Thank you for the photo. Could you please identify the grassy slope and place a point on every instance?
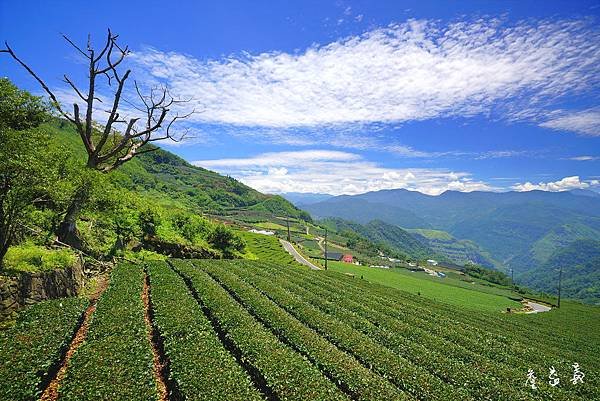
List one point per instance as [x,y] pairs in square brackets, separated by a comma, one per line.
[453,290]
[448,290]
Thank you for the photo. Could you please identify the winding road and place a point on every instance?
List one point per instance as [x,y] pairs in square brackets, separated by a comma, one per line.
[299,258]
[537,308]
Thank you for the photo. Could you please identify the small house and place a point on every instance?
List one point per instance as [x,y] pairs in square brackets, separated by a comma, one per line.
[347,258]
[334,256]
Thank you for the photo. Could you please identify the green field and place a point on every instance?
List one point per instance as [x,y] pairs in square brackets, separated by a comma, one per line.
[250,330]
[432,234]
[449,290]
[472,294]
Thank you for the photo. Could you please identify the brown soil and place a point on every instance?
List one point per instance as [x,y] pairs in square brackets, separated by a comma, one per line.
[51,392]
[159,367]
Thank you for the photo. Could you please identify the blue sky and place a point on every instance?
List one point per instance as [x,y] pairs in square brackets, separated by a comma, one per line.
[351,96]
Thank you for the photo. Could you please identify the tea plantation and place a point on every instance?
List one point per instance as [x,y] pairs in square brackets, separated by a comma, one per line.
[255,330]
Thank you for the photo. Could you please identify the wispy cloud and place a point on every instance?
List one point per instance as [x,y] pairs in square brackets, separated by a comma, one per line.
[586,122]
[565,184]
[583,158]
[336,173]
[411,71]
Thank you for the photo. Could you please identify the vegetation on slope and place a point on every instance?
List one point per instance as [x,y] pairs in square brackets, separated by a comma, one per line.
[581,276]
[32,348]
[454,250]
[265,330]
[474,298]
[390,239]
[155,202]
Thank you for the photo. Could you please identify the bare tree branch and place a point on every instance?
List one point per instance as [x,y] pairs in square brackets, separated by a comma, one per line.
[67,80]
[114,148]
[75,46]
[55,101]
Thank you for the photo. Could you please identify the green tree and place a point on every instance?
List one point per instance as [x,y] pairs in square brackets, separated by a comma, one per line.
[149,220]
[190,226]
[24,169]
[226,241]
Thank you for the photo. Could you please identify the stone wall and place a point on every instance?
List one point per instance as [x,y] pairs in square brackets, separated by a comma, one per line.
[29,288]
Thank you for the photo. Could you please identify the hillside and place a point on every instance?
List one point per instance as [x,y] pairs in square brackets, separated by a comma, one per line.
[519,230]
[454,250]
[378,231]
[167,178]
[580,261]
[156,203]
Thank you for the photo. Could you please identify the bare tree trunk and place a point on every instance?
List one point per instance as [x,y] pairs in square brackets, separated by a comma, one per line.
[4,244]
[5,226]
[67,230]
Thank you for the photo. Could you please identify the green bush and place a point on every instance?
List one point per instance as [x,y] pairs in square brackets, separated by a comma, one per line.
[225,240]
[33,258]
[149,221]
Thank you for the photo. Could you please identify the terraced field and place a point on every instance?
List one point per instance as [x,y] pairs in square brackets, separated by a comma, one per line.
[239,330]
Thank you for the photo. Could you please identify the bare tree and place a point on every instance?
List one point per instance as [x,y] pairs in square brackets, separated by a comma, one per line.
[119,139]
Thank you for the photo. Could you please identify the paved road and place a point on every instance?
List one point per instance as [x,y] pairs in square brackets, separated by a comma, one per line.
[299,258]
[537,308]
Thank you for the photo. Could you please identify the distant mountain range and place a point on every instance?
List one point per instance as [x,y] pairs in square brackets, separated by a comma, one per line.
[524,231]
[300,199]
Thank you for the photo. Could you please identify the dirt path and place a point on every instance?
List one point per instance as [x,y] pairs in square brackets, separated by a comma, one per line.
[299,258]
[159,366]
[320,243]
[51,392]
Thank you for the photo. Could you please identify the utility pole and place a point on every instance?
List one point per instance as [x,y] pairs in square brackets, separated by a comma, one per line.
[559,283]
[325,249]
[288,228]
[512,277]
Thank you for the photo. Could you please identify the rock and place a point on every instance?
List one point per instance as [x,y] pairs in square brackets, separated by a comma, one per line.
[30,288]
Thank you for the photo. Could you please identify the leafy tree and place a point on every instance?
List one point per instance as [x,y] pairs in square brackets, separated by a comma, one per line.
[190,226]
[226,241]
[149,220]
[493,276]
[23,159]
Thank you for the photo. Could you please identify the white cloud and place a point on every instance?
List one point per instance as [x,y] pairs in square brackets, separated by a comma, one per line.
[274,159]
[501,154]
[583,158]
[336,173]
[411,71]
[566,184]
[586,122]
